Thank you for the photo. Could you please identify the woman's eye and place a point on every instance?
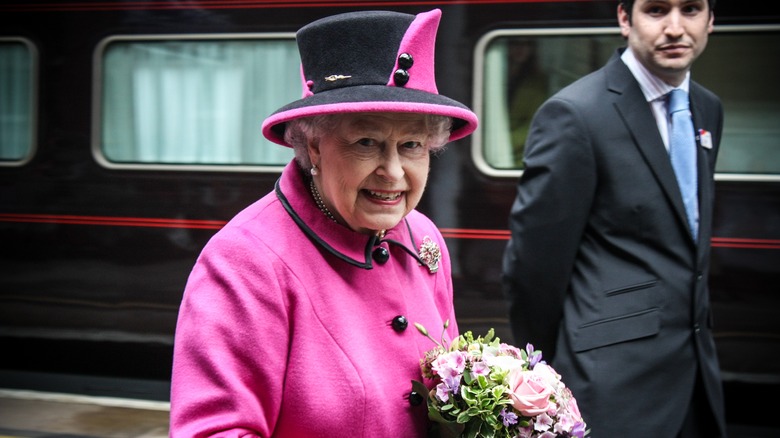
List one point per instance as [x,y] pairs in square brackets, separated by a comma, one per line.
[412,145]
[366,142]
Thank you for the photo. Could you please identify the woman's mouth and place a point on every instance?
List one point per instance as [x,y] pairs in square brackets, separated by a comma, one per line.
[383,196]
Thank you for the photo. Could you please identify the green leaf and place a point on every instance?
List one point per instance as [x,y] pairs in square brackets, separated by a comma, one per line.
[473,430]
[467,394]
[489,335]
[463,418]
[436,416]
[420,388]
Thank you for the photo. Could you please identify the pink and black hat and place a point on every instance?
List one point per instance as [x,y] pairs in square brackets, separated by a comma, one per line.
[374,61]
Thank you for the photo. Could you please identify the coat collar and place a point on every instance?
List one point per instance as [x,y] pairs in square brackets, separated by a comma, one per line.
[349,246]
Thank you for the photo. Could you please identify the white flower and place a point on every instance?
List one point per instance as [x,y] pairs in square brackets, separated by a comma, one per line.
[505,363]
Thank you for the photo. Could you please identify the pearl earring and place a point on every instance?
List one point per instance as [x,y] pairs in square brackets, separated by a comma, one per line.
[314,171]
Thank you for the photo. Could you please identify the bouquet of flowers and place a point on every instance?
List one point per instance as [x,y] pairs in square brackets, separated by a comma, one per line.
[485,388]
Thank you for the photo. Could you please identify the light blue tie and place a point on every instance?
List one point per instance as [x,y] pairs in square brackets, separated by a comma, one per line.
[682,148]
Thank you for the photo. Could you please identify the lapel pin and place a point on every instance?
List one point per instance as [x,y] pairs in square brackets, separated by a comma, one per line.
[705,138]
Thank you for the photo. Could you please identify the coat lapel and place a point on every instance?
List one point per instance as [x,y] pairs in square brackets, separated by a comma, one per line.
[705,163]
[638,118]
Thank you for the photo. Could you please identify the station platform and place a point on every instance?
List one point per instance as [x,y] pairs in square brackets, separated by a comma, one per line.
[34,414]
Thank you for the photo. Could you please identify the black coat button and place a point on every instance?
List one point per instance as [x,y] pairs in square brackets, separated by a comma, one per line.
[405,61]
[415,399]
[400,323]
[401,77]
[381,255]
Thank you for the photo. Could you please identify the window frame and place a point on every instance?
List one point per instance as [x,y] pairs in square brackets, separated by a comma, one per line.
[477,144]
[34,93]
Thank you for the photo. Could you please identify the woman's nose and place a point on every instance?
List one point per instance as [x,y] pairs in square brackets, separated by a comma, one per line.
[391,166]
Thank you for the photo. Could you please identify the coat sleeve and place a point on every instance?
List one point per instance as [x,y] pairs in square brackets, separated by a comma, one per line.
[231,340]
[547,219]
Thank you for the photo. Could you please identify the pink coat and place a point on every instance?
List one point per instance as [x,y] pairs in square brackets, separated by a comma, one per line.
[285,328]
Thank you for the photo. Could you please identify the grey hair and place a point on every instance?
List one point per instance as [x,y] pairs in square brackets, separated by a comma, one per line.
[299,132]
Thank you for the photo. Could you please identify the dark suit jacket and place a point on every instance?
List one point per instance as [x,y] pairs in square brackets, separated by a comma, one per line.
[601,270]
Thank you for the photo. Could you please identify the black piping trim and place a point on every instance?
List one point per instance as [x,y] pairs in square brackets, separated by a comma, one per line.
[316,239]
[404,247]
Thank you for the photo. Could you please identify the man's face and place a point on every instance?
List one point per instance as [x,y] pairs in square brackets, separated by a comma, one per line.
[667,36]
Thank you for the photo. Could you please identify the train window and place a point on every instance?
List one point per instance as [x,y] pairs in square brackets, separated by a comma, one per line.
[16,101]
[741,67]
[185,101]
[517,70]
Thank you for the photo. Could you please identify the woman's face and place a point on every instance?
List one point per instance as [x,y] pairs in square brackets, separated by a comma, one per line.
[372,168]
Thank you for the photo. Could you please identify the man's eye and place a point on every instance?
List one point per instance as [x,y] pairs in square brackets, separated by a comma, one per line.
[655,11]
[692,9]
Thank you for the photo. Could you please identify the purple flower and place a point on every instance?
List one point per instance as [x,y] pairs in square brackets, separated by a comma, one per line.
[449,385]
[543,422]
[450,364]
[442,392]
[578,430]
[534,357]
[508,417]
[525,432]
[479,368]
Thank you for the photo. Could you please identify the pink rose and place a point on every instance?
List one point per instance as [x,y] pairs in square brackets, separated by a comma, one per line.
[530,392]
[547,373]
[574,409]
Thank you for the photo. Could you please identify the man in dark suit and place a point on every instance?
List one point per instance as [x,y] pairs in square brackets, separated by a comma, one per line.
[605,271]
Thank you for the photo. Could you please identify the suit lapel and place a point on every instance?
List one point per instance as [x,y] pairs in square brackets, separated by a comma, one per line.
[705,163]
[640,122]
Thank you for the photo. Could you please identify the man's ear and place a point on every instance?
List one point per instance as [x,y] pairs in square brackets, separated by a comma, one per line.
[624,20]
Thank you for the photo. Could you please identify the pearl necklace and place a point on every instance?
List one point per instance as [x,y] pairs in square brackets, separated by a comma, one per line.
[321,205]
[318,199]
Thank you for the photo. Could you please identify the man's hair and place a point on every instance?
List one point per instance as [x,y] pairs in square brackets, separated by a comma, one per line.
[628,5]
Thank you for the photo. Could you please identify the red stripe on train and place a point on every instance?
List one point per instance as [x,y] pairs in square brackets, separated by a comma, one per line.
[111,221]
[452,233]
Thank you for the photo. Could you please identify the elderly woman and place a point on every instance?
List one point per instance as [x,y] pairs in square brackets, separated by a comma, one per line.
[297,318]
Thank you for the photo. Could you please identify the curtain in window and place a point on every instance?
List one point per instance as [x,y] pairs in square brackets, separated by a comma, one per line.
[196,102]
[15,101]
[497,136]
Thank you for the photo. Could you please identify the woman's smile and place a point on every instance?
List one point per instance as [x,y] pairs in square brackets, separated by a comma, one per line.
[383,195]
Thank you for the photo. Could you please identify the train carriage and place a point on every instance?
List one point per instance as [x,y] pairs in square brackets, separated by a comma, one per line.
[130,133]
